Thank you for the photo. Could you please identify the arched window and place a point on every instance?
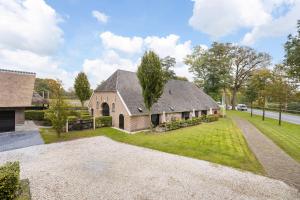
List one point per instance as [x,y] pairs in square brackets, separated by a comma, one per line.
[97,105]
[113,107]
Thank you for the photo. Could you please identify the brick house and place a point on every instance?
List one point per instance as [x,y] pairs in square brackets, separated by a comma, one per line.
[120,96]
[16,91]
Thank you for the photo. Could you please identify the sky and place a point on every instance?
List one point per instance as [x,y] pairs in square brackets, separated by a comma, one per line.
[59,38]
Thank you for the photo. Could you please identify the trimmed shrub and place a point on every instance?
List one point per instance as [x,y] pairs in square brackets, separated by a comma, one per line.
[35,115]
[9,180]
[104,121]
[212,118]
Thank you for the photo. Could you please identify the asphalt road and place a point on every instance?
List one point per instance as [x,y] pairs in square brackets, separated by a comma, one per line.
[284,117]
[19,139]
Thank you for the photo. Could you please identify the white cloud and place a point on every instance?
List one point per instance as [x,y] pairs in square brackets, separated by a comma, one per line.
[264,18]
[100,16]
[282,25]
[121,43]
[218,18]
[44,66]
[29,25]
[29,36]
[113,58]
[100,69]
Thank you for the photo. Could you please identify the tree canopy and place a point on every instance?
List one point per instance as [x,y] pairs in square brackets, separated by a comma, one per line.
[150,75]
[82,87]
[292,55]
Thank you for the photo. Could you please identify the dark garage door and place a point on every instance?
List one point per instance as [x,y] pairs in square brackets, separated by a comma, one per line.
[7,121]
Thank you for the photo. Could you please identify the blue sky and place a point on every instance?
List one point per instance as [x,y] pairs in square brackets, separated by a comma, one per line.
[57,39]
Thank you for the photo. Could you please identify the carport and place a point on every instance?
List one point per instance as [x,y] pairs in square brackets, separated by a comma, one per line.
[16,89]
[7,120]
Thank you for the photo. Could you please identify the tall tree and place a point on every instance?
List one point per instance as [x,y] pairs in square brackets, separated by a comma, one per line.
[292,55]
[211,67]
[57,112]
[251,93]
[82,87]
[279,88]
[167,64]
[151,78]
[245,61]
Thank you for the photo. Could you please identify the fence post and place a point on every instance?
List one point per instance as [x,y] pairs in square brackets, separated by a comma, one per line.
[67,126]
[94,122]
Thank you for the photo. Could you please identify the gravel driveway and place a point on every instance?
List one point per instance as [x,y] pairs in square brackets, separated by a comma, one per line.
[99,168]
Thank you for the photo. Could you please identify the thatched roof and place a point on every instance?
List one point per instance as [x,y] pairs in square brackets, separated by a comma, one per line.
[178,96]
[16,88]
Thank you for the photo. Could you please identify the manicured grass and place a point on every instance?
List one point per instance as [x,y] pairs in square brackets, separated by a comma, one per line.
[286,136]
[219,142]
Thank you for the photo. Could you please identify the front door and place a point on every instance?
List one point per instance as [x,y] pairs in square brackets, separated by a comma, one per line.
[121,121]
[155,119]
[7,121]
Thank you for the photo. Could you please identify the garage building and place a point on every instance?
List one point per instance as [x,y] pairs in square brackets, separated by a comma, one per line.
[16,90]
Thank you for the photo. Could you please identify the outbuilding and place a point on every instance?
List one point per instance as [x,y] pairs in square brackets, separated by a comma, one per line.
[16,91]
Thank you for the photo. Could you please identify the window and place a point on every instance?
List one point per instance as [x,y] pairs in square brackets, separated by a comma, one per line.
[97,105]
[113,107]
[185,115]
[196,113]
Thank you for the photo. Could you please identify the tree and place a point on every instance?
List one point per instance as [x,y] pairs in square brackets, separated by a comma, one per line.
[245,61]
[292,55]
[167,63]
[57,112]
[251,93]
[151,78]
[211,67]
[279,88]
[82,87]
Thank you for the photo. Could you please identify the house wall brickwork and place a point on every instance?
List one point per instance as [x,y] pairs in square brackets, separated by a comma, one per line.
[131,123]
[110,98]
[19,116]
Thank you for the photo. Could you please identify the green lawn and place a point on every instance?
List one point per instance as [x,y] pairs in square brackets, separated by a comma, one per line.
[219,142]
[286,136]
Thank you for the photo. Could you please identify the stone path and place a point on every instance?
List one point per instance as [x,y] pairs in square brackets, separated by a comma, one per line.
[275,161]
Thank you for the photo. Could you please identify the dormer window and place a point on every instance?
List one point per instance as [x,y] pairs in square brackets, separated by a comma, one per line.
[140,109]
[170,92]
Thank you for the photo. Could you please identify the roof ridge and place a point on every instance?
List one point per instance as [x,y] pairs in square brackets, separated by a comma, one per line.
[17,72]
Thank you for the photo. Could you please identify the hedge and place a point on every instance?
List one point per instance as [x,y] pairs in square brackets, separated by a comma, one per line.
[104,121]
[182,123]
[9,180]
[212,118]
[38,115]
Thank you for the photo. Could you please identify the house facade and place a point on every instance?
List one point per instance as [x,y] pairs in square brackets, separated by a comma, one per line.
[120,96]
[16,90]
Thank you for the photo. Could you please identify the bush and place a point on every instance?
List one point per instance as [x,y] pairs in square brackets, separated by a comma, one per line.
[38,115]
[212,118]
[9,180]
[182,123]
[104,121]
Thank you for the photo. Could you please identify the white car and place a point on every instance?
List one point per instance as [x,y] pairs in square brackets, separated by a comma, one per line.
[241,107]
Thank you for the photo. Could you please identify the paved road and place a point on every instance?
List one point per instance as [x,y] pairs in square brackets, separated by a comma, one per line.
[271,114]
[19,139]
[100,168]
[275,161]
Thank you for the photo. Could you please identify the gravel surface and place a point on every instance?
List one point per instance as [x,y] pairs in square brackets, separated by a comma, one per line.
[99,168]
